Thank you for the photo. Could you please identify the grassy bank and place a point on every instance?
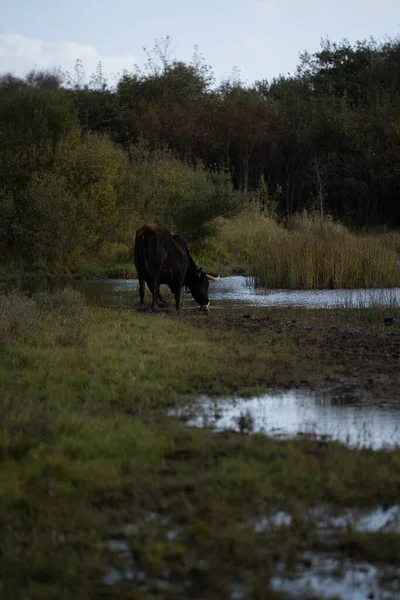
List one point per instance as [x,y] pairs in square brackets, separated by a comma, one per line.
[309,252]
[88,453]
[306,253]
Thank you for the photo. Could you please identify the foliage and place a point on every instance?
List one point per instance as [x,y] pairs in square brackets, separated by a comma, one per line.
[309,252]
[59,190]
[19,316]
[84,164]
[171,193]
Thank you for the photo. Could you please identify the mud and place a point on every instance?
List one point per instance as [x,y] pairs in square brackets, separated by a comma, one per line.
[353,361]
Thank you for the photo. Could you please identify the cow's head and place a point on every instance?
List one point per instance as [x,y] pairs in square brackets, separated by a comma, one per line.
[200,289]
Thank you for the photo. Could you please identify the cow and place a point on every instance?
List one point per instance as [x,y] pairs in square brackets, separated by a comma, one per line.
[163,257]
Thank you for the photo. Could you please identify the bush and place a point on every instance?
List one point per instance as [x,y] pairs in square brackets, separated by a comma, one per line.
[50,231]
[19,316]
[240,237]
[64,302]
[177,196]
[68,210]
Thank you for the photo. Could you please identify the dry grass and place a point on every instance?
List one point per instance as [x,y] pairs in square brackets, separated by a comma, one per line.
[22,316]
[309,253]
[389,240]
[240,237]
[18,315]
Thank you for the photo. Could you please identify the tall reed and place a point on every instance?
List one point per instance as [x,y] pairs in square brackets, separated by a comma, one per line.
[309,253]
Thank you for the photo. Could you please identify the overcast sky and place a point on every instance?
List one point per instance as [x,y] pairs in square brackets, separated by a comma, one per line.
[261,38]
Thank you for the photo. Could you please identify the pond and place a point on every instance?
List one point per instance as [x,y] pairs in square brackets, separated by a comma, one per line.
[294,413]
[230,292]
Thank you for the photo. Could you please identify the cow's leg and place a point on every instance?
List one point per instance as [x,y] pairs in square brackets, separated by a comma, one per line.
[141,290]
[159,298]
[178,293]
[178,299]
[156,293]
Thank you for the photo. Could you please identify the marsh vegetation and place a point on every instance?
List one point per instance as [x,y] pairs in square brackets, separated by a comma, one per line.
[309,162]
[309,252]
[103,492]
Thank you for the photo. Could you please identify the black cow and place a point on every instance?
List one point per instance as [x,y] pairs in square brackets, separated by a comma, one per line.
[162,257]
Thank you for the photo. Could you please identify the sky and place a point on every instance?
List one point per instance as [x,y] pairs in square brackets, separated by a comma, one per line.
[260,38]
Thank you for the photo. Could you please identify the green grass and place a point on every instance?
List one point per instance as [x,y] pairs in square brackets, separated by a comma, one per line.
[86,447]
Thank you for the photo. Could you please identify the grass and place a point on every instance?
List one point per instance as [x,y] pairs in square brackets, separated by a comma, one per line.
[309,253]
[88,454]
[389,239]
[89,269]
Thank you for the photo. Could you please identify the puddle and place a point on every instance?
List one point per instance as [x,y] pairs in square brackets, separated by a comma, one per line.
[327,577]
[126,568]
[367,521]
[272,522]
[230,292]
[322,575]
[373,521]
[295,413]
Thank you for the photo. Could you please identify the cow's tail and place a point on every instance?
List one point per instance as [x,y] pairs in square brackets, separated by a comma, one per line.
[146,251]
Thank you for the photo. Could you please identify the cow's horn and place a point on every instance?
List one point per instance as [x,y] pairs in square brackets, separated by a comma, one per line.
[213,278]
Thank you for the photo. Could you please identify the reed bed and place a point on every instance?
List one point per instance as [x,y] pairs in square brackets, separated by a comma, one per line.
[310,252]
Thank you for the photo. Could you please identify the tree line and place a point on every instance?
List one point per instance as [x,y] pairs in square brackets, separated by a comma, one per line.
[166,140]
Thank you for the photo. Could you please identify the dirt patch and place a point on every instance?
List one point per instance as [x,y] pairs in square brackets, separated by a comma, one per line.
[356,360]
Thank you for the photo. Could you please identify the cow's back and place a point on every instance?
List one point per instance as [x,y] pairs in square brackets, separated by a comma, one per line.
[157,250]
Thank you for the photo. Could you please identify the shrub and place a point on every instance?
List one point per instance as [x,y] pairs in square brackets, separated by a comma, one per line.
[66,203]
[50,231]
[240,237]
[64,302]
[177,196]
[19,316]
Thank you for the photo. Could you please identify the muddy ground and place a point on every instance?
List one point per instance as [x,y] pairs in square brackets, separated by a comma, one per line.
[358,358]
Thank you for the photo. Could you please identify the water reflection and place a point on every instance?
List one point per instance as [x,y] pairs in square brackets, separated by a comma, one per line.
[329,577]
[295,413]
[239,291]
[328,523]
[229,292]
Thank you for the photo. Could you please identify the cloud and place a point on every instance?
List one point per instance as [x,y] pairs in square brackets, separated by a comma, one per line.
[19,54]
[266,8]
[273,8]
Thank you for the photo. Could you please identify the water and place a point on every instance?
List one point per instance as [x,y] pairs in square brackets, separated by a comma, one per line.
[378,519]
[230,292]
[323,574]
[329,577]
[295,413]
[288,414]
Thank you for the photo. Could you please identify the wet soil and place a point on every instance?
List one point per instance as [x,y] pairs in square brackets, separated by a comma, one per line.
[359,361]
